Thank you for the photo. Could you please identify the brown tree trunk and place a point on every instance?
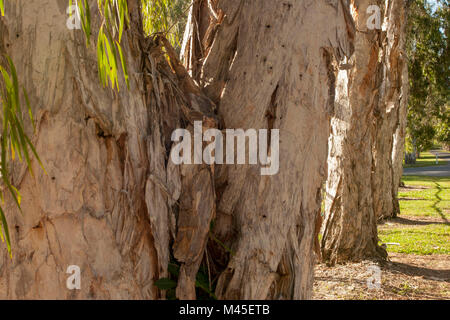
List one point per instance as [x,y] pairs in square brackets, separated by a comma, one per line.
[271,65]
[89,210]
[109,200]
[364,172]
[391,114]
[349,231]
[398,154]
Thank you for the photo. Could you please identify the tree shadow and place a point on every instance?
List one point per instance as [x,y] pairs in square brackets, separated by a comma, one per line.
[415,271]
[408,222]
[438,200]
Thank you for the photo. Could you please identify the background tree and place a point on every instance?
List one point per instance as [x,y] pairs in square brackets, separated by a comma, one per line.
[370,102]
[429,65]
[390,113]
[167,17]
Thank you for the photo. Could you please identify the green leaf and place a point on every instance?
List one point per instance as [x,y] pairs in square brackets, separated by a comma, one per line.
[5,228]
[124,65]
[165,284]
[13,138]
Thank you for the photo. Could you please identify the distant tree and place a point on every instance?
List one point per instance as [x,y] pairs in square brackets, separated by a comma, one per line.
[166,16]
[429,63]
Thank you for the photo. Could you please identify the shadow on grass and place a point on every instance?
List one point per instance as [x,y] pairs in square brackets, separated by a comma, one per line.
[409,222]
[438,200]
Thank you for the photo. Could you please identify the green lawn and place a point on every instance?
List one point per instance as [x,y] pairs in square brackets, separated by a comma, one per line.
[426,160]
[426,181]
[425,196]
[425,199]
[421,240]
[425,208]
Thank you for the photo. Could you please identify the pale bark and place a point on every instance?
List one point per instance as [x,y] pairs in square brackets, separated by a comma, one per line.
[349,231]
[109,200]
[391,114]
[364,158]
[398,152]
[89,210]
[272,65]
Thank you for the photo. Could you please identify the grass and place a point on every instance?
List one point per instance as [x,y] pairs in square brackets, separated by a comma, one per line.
[425,209]
[428,196]
[423,197]
[422,240]
[426,181]
[426,160]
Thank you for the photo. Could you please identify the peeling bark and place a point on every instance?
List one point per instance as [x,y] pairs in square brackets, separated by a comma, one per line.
[364,168]
[112,202]
[391,116]
[90,209]
[271,65]
[109,201]
[349,231]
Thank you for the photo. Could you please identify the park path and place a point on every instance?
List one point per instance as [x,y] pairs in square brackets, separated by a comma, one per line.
[434,171]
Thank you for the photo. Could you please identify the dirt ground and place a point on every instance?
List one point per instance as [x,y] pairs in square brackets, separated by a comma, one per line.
[404,277]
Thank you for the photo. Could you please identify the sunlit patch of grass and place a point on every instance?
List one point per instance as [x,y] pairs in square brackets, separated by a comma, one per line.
[420,240]
[431,201]
[425,208]
[425,181]
[425,194]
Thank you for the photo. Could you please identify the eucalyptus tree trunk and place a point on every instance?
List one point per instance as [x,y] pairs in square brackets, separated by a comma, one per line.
[113,203]
[364,159]
[391,114]
[106,201]
[398,152]
[270,65]
[349,230]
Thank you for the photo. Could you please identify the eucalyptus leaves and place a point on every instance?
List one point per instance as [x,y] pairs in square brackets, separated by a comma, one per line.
[115,18]
[14,140]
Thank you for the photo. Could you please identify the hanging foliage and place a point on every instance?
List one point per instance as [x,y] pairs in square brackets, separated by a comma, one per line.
[14,141]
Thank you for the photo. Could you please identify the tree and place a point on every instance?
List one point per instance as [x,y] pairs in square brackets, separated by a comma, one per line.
[112,201]
[428,52]
[391,114]
[368,113]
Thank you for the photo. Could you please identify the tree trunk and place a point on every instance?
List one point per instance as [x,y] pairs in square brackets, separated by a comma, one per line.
[113,203]
[270,65]
[350,231]
[391,115]
[89,210]
[365,161]
[398,153]
[109,200]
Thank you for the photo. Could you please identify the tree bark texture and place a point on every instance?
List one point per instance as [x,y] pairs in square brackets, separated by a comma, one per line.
[362,151]
[349,230]
[391,115]
[270,65]
[109,202]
